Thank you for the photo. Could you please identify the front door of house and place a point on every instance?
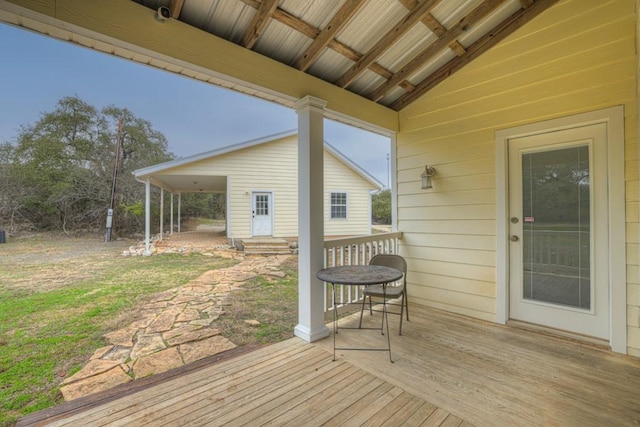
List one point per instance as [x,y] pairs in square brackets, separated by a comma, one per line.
[261,213]
[558,215]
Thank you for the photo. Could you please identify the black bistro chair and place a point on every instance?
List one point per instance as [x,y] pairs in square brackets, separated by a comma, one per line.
[393,291]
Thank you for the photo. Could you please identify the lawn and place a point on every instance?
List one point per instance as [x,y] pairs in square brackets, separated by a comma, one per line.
[59,296]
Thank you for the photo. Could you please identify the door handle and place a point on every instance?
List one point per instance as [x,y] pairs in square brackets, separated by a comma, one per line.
[514,238]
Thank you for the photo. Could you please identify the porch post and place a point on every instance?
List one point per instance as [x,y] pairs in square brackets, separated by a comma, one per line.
[179,206]
[161,211]
[311,325]
[171,215]
[147,217]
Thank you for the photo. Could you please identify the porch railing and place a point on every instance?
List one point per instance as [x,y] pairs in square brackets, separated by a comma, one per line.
[354,251]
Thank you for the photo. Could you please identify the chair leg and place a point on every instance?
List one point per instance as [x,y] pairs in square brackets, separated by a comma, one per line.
[405,300]
[362,310]
[401,314]
[370,307]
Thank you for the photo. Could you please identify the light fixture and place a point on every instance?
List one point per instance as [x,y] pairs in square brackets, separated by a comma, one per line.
[163,13]
[426,176]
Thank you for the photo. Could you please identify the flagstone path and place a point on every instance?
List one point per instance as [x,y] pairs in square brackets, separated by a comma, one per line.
[176,327]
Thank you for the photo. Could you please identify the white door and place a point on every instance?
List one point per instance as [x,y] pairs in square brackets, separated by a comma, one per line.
[261,212]
[558,212]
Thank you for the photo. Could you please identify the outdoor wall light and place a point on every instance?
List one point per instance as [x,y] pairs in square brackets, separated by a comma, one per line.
[163,13]
[429,172]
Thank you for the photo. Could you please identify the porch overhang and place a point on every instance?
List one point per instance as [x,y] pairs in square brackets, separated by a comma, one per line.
[187,183]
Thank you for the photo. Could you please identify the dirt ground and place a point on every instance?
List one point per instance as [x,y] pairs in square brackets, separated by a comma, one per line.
[202,236]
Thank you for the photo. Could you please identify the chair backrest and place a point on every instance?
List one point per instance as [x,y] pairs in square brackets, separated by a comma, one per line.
[391,260]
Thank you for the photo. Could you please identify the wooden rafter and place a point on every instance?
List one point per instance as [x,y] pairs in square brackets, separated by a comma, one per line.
[386,41]
[432,23]
[498,34]
[325,38]
[433,49]
[457,48]
[259,21]
[175,6]
[312,32]
[346,12]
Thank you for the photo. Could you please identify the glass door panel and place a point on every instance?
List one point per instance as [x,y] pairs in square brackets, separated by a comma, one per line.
[556,239]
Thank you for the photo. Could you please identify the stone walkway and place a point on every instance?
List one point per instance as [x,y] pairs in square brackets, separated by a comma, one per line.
[176,327]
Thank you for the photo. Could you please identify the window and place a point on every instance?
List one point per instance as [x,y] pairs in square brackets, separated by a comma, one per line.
[262,205]
[338,205]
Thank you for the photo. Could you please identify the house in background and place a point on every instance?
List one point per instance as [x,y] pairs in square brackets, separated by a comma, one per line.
[259,178]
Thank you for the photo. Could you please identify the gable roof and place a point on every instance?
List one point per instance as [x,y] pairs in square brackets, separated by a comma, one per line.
[150,171]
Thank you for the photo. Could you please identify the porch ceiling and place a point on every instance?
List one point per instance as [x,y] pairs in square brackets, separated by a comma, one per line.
[189,183]
[388,51]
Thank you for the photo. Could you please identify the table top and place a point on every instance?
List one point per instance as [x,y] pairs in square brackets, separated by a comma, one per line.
[359,274]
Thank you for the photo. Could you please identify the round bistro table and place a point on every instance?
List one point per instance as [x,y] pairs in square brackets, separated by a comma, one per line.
[360,275]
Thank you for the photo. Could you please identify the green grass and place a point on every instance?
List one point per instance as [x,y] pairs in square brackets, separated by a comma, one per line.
[272,302]
[55,308]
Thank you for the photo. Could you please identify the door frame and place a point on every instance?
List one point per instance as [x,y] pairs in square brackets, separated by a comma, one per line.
[613,118]
[271,203]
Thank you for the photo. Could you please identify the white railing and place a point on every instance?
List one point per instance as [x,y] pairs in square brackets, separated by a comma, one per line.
[354,251]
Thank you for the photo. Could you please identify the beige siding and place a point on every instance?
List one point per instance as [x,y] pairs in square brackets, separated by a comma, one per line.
[338,178]
[578,56]
[273,166]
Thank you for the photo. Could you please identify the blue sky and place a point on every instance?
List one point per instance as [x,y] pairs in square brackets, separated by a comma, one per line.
[36,71]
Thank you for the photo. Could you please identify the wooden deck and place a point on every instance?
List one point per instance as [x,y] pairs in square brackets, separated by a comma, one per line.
[448,370]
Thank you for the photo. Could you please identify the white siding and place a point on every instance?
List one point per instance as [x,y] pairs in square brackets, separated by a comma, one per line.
[338,178]
[273,166]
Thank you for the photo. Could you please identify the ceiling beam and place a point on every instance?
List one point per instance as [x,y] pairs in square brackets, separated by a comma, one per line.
[414,16]
[258,23]
[433,49]
[312,32]
[346,12]
[432,23]
[457,48]
[489,40]
[175,6]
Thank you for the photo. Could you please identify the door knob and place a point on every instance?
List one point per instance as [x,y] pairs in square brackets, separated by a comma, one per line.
[514,238]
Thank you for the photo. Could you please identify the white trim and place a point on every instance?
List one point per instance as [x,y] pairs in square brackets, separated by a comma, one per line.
[346,205]
[613,117]
[270,207]
[311,296]
[394,181]
[147,218]
[226,209]
[171,233]
[161,213]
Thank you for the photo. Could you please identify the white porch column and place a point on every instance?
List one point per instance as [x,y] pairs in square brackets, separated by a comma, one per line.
[147,218]
[179,206]
[161,211]
[171,232]
[311,325]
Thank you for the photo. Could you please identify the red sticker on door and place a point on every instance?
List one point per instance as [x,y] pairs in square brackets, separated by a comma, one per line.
[529,219]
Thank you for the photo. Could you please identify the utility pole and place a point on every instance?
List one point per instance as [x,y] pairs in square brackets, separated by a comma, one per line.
[388,171]
[114,181]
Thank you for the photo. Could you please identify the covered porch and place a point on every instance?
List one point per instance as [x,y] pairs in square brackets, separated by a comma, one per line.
[448,370]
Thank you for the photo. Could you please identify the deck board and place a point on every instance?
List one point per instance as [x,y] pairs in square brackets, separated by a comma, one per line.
[492,375]
[448,370]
